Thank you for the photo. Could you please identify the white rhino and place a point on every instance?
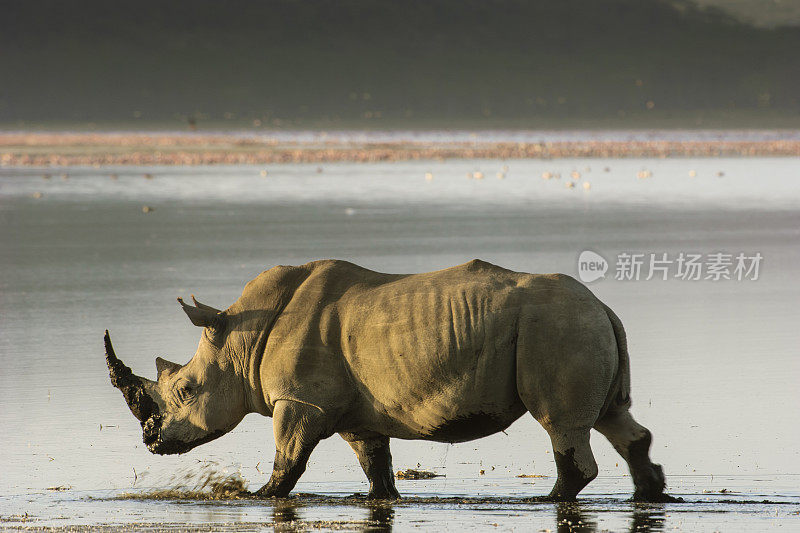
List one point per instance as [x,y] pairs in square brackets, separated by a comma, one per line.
[449,356]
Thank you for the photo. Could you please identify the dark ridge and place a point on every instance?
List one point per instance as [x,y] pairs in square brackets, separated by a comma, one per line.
[383,61]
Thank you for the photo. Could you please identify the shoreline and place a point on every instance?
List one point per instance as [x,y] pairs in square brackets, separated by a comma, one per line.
[193,149]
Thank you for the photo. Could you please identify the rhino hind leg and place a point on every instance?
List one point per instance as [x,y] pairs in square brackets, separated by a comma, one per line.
[632,442]
[298,429]
[376,461]
[574,461]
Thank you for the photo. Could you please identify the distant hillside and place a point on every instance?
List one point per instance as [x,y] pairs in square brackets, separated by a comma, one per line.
[767,13]
[387,62]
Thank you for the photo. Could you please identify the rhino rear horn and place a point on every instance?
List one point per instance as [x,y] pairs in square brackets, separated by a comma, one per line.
[202,315]
[140,403]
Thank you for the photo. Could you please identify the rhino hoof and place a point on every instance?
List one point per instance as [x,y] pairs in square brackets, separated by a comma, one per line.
[270,492]
[383,496]
[660,497]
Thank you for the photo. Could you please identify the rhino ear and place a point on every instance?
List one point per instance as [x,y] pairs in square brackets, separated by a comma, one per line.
[164,367]
[205,316]
[204,306]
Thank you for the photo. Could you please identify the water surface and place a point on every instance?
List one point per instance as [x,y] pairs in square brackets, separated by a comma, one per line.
[715,364]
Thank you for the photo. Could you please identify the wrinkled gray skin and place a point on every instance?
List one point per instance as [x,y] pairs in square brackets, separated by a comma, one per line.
[450,356]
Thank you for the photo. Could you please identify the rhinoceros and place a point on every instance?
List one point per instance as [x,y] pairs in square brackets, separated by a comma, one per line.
[448,356]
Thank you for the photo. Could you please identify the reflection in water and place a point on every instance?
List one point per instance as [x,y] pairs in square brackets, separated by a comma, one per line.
[381,517]
[285,517]
[647,518]
[284,512]
[570,518]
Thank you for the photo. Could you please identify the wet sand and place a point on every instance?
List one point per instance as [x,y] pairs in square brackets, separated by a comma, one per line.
[97,149]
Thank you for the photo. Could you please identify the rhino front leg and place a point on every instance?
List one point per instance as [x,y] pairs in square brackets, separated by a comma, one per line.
[376,461]
[298,428]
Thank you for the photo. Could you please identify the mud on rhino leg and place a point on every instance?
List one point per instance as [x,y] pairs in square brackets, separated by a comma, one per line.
[376,461]
[632,442]
[574,461]
[298,428]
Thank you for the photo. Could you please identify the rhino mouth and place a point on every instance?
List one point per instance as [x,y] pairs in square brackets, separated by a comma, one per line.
[151,432]
[151,435]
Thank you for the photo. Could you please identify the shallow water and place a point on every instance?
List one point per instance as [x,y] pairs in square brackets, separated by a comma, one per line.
[715,364]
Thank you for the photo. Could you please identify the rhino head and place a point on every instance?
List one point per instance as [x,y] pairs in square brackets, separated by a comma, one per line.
[189,404]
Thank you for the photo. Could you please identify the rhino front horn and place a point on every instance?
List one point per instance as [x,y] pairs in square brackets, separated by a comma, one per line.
[140,403]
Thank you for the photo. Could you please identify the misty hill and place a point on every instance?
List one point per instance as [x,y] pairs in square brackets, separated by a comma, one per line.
[389,62]
[768,13]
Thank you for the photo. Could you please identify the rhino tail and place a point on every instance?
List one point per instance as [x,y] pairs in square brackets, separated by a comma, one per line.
[619,395]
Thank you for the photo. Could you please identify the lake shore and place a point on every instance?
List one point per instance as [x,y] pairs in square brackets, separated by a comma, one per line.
[150,149]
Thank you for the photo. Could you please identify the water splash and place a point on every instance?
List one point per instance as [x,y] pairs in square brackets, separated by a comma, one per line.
[206,481]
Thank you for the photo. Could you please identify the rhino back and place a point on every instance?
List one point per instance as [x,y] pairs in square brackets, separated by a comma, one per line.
[435,353]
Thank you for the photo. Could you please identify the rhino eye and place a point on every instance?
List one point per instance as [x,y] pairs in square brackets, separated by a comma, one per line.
[185,391]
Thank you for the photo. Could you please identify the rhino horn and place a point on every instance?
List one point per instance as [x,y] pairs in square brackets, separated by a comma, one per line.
[201,315]
[140,403]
